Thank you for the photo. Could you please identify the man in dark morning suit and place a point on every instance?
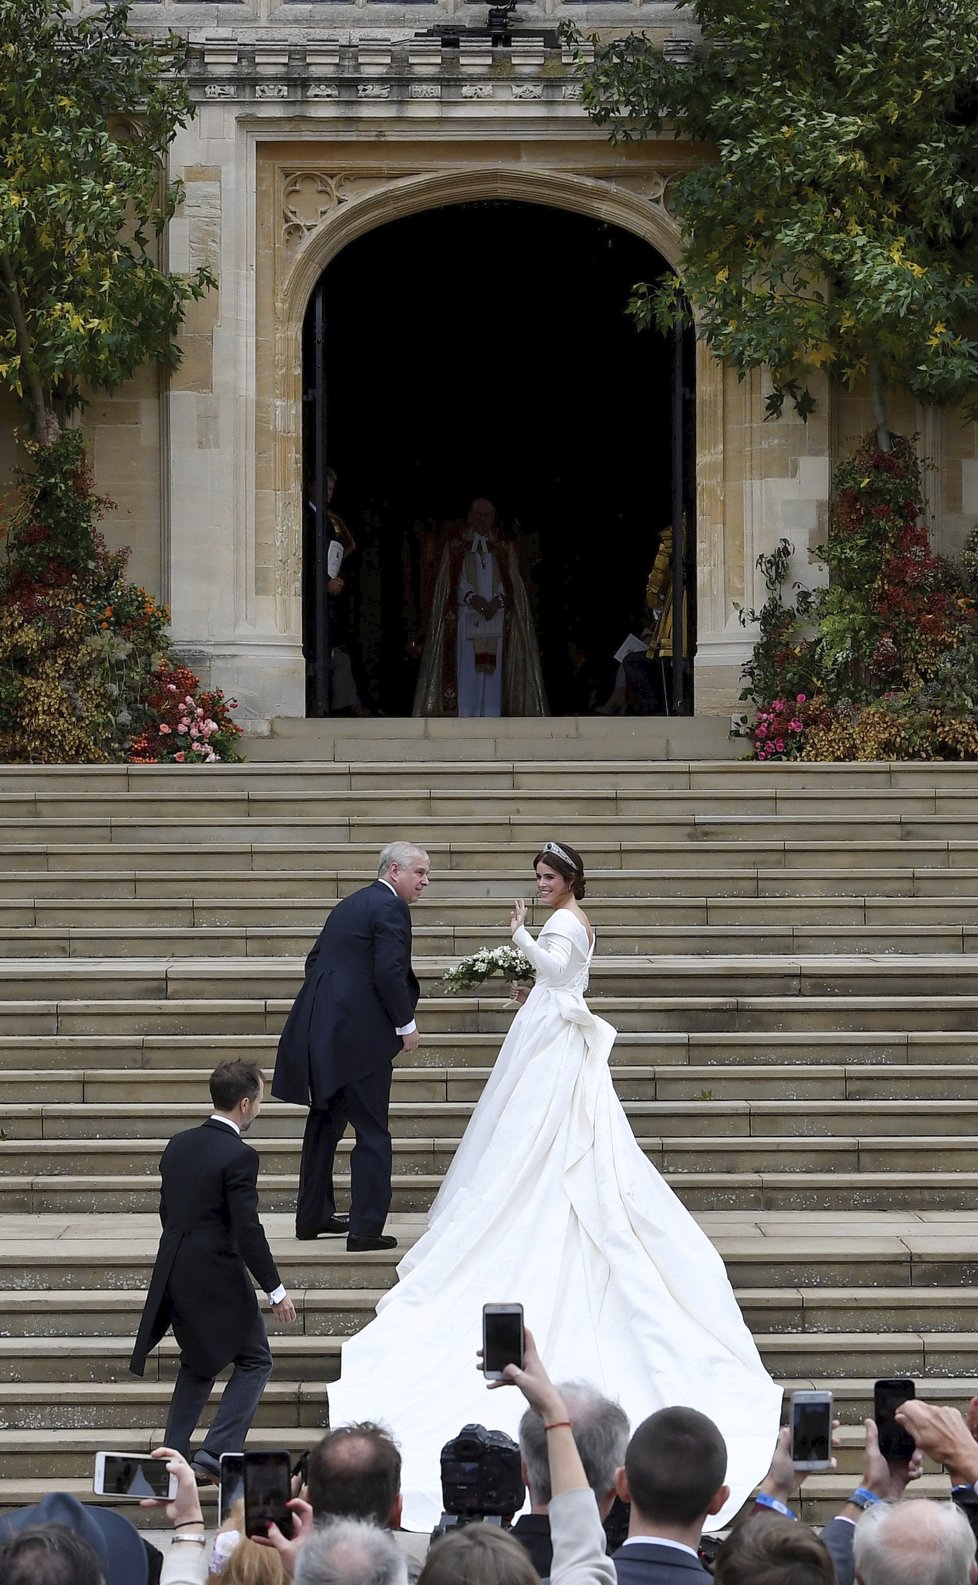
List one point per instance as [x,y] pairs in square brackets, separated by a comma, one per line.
[673,1477]
[353,1014]
[211,1239]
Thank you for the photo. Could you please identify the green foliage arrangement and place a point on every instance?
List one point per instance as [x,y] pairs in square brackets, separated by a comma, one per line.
[833,222]
[87,112]
[883,663]
[83,669]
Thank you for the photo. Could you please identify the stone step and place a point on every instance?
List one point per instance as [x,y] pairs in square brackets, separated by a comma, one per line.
[703,1181]
[825,1084]
[83,925]
[28,941]
[865,1124]
[267,980]
[514,829]
[299,1358]
[916,1249]
[700,1015]
[339,1312]
[491,796]
[525,767]
[255,874]
[888,1058]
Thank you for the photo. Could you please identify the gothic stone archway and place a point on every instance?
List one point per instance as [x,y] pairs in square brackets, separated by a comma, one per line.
[315,198]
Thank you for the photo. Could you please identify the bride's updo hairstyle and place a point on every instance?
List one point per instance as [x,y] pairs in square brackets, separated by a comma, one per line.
[560,856]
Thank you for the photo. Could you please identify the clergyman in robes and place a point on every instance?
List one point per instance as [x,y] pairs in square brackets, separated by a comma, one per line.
[481,656]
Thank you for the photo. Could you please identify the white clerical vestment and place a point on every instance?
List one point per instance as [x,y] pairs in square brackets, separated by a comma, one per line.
[480,692]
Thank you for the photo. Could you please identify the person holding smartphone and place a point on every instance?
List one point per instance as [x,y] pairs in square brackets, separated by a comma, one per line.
[212,1238]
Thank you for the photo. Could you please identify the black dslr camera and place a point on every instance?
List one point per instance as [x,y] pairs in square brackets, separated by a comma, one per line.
[480,1477]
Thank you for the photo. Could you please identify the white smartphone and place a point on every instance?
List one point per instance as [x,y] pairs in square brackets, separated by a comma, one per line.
[502,1338]
[232,1484]
[811,1430]
[129,1475]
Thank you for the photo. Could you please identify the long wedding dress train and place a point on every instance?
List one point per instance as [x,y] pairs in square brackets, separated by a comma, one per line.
[550,1202]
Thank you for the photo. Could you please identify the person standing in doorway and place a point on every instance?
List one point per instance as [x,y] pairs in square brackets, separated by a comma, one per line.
[353,1014]
[211,1239]
[481,656]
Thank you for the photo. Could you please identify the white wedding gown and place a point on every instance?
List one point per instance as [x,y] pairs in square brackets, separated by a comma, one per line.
[550,1202]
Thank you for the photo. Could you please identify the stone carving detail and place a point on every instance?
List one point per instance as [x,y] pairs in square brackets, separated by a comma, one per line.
[221,90]
[570,91]
[271,90]
[425,90]
[477,91]
[373,90]
[322,91]
[653,186]
[528,90]
[307,199]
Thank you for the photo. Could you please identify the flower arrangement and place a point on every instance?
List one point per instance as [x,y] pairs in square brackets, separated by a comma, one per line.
[883,663]
[778,729]
[473,971]
[186,725]
[83,674]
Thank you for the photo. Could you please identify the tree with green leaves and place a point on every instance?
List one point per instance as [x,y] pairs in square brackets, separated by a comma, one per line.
[87,112]
[832,223]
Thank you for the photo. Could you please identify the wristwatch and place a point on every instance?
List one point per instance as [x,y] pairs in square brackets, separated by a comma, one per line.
[861,1498]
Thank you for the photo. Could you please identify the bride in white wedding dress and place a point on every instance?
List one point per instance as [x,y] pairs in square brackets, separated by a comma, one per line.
[550,1202]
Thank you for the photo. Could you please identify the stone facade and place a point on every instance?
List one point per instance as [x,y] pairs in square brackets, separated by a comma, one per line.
[314,124]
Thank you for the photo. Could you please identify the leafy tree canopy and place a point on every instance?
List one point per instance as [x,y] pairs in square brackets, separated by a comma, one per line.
[836,227]
[83,301]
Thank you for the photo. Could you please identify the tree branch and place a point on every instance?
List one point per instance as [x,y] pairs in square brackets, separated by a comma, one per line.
[32,380]
[878,397]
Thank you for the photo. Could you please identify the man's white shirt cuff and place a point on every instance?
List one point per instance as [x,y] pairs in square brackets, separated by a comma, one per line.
[408,1028]
[279,1294]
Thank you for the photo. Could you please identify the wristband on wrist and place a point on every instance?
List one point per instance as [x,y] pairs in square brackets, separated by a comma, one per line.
[555,1425]
[861,1498]
[965,1486]
[184,1523]
[763,1500]
[194,1540]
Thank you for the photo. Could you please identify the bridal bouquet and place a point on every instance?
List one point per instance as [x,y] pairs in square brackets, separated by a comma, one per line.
[475,970]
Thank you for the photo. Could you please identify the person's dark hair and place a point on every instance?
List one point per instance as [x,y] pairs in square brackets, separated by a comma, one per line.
[50,1554]
[675,1464]
[479,1554]
[600,1432]
[570,865]
[769,1550]
[355,1473]
[232,1081]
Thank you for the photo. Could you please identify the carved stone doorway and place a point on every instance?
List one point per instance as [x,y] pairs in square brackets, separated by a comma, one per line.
[483,348]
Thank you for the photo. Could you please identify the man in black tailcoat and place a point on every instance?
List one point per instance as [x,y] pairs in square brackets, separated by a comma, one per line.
[211,1239]
[353,1015]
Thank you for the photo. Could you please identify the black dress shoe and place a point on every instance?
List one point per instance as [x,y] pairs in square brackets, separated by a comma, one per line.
[359,1246]
[206,1468]
[336,1224]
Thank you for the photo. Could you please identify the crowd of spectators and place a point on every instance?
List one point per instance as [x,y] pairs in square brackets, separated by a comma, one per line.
[577,1458]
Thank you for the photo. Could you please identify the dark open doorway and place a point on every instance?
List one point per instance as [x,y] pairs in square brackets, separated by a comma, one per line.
[484,350]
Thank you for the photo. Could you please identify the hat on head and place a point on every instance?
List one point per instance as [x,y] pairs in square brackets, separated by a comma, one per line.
[116,1543]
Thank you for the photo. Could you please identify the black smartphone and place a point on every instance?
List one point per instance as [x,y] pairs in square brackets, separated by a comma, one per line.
[895,1443]
[267,1492]
[811,1430]
[502,1338]
[232,1484]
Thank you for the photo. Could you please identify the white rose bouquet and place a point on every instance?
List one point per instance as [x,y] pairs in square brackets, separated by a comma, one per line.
[473,971]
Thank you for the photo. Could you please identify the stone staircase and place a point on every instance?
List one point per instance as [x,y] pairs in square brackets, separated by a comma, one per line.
[788,953]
